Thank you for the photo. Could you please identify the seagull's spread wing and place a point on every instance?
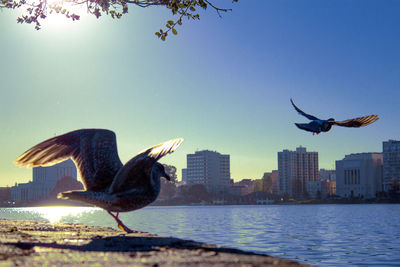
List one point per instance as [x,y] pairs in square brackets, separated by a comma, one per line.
[357,122]
[132,173]
[94,151]
[308,116]
[306,126]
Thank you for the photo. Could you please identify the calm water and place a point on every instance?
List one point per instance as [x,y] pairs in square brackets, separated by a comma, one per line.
[322,235]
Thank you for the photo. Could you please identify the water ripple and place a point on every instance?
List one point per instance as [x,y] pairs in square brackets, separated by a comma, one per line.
[321,235]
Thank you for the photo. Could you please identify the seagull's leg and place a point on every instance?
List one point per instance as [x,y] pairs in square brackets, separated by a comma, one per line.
[121,225]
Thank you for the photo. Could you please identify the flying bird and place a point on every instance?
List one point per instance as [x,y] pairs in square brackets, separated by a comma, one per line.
[317,125]
[109,184]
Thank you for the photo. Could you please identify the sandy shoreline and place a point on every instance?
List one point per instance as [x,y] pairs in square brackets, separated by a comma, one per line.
[31,243]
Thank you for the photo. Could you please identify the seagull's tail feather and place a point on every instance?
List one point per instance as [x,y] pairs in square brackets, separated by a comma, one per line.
[100,199]
[74,195]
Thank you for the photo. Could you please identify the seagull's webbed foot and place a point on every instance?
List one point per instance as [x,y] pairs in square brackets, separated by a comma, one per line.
[121,225]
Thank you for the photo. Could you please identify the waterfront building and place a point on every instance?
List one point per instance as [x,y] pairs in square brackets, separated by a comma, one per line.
[5,194]
[267,182]
[314,188]
[44,179]
[184,175]
[246,186]
[235,190]
[258,185]
[391,163]
[20,192]
[275,182]
[270,182]
[328,188]
[327,175]
[295,168]
[209,168]
[359,175]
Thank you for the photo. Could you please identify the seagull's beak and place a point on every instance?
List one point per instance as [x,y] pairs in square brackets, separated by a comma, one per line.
[166,176]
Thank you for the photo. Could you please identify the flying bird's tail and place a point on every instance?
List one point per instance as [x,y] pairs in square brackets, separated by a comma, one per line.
[306,127]
[298,125]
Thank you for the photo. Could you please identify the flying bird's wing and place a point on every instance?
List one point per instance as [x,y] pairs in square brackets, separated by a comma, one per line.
[94,151]
[308,116]
[357,122]
[306,127]
[130,176]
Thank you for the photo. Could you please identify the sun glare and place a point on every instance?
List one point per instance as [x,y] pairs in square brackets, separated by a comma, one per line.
[55,214]
[54,2]
[56,20]
[57,12]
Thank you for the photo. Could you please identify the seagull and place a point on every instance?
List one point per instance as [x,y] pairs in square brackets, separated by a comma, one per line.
[109,184]
[317,125]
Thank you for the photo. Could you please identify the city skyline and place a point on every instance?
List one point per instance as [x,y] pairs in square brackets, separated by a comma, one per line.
[298,176]
[299,149]
[228,89]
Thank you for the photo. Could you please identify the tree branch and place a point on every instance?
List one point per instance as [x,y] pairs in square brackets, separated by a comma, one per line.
[35,12]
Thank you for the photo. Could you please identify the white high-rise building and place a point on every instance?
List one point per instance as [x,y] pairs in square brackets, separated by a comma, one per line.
[359,175]
[391,163]
[295,169]
[44,179]
[209,168]
[184,176]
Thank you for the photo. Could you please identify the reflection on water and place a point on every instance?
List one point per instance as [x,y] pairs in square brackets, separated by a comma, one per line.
[49,214]
[323,235]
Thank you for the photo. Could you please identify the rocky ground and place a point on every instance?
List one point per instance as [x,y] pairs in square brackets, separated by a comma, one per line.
[30,243]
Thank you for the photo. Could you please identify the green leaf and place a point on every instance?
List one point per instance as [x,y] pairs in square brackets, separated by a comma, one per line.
[174,31]
[171,22]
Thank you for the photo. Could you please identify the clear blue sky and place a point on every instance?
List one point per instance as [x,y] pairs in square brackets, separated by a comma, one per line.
[222,84]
